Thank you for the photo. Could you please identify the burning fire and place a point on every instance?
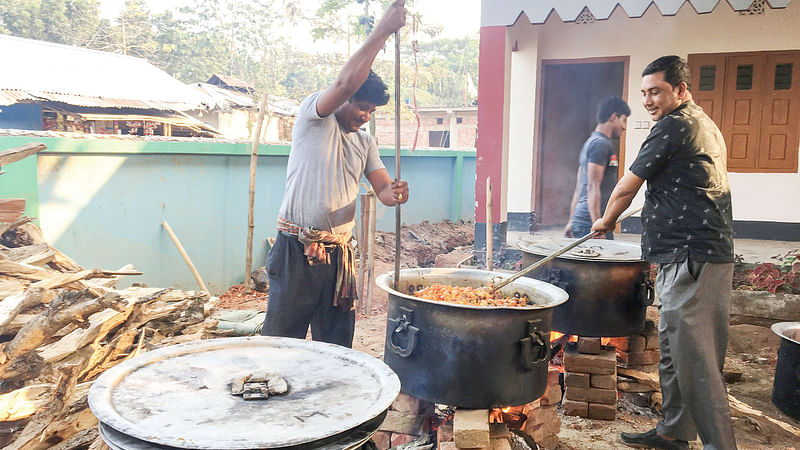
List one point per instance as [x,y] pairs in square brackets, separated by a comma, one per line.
[555,336]
[513,416]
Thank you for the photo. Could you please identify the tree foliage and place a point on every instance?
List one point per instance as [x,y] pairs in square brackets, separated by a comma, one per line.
[251,40]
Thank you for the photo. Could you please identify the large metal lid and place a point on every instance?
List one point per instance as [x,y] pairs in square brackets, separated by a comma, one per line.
[180,396]
[592,250]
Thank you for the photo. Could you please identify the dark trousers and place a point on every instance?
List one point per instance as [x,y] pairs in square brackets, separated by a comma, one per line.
[301,295]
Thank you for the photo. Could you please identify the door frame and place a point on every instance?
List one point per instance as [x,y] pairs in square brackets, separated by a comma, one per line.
[538,122]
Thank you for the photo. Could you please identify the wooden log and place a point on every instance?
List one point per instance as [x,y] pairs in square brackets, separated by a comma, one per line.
[650,379]
[25,271]
[16,303]
[742,409]
[15,154]
[32,436]
[35,255]
[68,307]
[76,339]
[82,439]
[11,209]
[17,223]
[24,402]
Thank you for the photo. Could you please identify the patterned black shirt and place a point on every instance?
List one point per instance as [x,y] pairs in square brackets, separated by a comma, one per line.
[687,210]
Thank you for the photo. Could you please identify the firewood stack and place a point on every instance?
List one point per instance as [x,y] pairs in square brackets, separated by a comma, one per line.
[62,325]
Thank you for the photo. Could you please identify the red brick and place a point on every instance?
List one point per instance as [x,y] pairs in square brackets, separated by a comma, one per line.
[604,396]
[543,415]
[636,343]
[603,363]
[577,379]
[444,433]
[576,394]
[643,358]
[603,381]
[602,412]
[574,408]
[382,439]
[549,442]
[499,431]
[552,395]
[553,374]
[400,439]
[406,404]
[589,345]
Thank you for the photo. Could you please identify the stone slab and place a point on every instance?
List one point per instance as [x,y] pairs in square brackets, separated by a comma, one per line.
[781,307]
[471,428]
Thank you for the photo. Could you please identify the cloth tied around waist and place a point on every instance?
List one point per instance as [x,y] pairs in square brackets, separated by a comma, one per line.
[315,243]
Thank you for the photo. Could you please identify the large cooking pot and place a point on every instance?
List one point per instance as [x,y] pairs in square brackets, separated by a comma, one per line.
[468,356]
[180,396]
[608,284]
[786,386]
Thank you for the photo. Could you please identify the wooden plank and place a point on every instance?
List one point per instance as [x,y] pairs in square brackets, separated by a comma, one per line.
[742,409]
[15,154]
[77,338]
[24,402]
[28,253]
[11,209]
[16,303]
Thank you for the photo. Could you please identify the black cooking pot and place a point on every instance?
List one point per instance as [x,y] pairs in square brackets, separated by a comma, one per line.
[786,387]
[469,356]
[608,284]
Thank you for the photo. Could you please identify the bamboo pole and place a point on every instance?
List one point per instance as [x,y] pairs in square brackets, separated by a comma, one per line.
[372,199]
[248,283]
[489,230]
[185,255]
[363,244]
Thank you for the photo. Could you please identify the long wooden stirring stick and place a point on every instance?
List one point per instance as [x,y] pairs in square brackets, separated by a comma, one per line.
[397,222]
[558,253]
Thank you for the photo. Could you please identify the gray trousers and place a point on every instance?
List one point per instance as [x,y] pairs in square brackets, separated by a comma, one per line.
[693,338]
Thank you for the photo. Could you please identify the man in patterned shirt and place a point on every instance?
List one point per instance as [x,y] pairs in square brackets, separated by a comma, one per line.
[688,231]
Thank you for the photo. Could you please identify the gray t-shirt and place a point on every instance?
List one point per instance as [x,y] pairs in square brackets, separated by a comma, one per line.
[324,170]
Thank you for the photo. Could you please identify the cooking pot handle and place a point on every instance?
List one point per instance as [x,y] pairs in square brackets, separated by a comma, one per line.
[647,292]
[534,350]
[399,325]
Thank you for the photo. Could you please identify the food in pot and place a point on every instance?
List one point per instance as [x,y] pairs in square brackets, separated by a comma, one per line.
[465,295]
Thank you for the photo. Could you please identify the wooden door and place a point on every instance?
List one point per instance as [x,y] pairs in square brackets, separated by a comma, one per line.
[570,94]
[741,118]
[781,112]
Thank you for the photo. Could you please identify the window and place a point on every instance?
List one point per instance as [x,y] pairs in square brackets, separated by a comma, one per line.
[459,119]
[752,98]
[439,139]
[439,121]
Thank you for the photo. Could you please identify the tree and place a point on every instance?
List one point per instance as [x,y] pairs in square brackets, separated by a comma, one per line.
[71,22]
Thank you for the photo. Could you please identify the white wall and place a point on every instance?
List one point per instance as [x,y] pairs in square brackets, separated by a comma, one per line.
[756,196]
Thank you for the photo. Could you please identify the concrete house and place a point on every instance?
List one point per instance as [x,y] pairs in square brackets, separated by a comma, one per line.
[544,65]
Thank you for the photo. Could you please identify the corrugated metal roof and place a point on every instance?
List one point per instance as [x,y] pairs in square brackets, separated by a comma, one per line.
[494,13]
[38,70]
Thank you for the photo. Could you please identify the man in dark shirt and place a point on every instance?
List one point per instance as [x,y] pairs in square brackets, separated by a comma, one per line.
[688,231]
[597,168]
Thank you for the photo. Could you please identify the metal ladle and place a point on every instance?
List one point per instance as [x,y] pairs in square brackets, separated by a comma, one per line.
[558,253]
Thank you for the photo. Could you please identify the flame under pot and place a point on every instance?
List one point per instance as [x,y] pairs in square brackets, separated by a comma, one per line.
[469,356]
[608,284]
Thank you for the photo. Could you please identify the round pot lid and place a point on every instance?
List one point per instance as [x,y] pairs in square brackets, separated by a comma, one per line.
[787,330]
[592,250]
[180,396]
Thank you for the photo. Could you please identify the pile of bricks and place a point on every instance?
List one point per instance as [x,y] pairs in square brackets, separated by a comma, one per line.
[640,351]
[407,419]
[590,380]
[470,429]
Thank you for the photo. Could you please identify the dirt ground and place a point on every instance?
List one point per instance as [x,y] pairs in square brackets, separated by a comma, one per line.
[750,362]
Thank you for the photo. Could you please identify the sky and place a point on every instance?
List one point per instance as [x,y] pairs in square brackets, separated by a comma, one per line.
[457,18]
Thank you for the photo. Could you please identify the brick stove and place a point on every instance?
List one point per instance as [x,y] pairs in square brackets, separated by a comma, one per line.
[494,429]
[591,372]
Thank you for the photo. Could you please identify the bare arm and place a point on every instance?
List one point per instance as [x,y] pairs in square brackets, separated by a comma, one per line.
[620,200]
[356,69]
[594,176]
[568,227]
[389,192]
